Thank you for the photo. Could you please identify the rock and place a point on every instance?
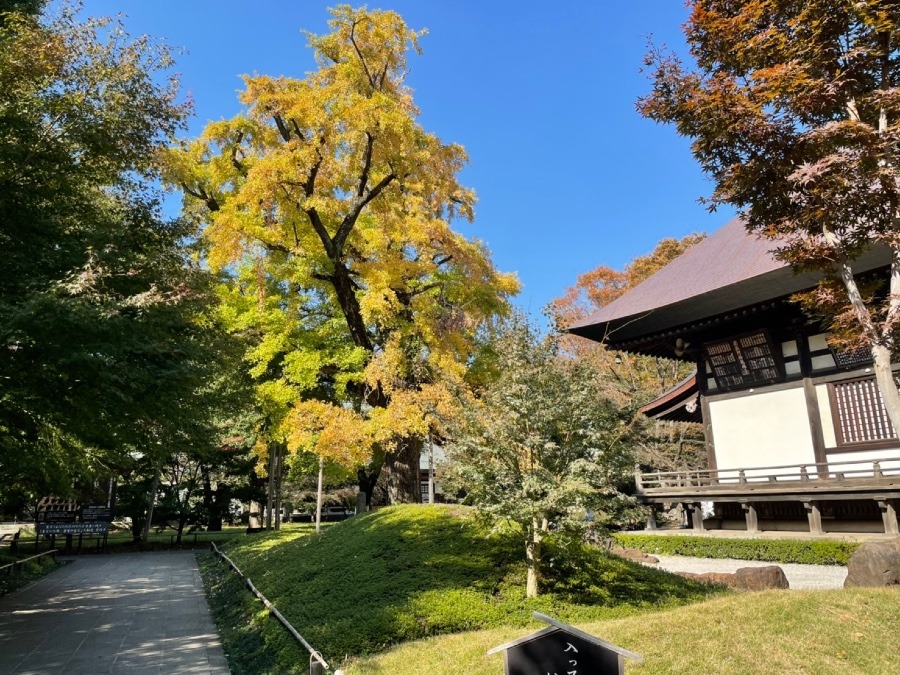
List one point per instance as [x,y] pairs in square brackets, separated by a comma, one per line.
[633,554]
[760,578]
[745,579]
[721,578]
[875,563]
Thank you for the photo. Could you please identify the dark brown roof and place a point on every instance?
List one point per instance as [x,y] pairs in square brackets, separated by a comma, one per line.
[672,405]
[728,270]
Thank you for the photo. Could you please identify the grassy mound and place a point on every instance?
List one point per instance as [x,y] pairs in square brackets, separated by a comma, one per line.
[846,631]
[409,572]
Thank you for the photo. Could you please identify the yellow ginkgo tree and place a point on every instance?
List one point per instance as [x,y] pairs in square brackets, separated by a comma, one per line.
[343,205]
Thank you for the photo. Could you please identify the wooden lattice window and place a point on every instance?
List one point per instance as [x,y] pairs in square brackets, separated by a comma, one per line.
[744,360]
[859,414]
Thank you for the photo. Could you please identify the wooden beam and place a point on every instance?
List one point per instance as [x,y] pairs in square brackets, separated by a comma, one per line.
[712,465]
[815,420]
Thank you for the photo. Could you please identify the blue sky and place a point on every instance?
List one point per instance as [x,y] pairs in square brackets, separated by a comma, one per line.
[541,94]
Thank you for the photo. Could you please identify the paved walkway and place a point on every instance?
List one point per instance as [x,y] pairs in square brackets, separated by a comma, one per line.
[798,576]
[136,613]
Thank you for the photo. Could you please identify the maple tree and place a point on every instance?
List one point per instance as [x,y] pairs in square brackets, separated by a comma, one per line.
[336,207]
[793,110]
[542,446]
[632,378]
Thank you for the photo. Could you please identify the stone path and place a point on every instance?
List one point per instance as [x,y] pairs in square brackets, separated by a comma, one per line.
[136,613]
[798,576]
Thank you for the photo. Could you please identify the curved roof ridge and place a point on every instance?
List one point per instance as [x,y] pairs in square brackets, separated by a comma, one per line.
[728,256]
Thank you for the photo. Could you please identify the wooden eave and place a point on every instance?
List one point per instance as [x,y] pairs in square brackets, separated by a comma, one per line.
[670,406]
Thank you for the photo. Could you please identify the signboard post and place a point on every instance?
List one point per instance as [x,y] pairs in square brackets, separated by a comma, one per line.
[561,649]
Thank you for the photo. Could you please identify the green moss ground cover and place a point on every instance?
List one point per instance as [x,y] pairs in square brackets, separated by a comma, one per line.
[409,572]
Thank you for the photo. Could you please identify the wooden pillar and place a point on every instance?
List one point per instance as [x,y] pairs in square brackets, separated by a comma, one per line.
[750,515]
[814,516]
[695,514]
[889,515]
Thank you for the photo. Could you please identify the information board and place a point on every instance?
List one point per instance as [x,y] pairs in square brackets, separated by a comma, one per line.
[744,360]
[48,529]
[96,514]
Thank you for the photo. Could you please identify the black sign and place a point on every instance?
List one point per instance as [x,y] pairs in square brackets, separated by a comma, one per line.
[96,514]
[57,516]
[744,360]
[560,653]
[48,529]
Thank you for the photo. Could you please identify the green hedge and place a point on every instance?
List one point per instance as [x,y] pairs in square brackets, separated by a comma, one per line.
[771,550]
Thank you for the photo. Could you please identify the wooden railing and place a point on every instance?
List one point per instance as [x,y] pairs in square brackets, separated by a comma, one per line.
[856,470]
[14,566]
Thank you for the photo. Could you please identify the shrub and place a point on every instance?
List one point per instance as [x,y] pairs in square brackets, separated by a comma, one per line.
[825,552]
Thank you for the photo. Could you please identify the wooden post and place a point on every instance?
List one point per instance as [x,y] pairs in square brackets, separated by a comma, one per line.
[889,516]
[804,475]
[750,516]
[742,477]
[696,511]
[814,516]
[638,483]
[876,470]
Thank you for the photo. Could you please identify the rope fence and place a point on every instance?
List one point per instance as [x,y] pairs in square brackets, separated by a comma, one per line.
[317,664]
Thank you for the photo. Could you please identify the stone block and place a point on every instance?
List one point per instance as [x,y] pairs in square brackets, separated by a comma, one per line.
[875,563]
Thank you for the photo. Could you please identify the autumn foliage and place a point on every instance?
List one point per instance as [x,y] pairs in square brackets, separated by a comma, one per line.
[335,209]
[793,109]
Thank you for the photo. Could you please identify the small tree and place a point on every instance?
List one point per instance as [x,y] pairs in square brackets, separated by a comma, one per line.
[542,447]
[633,378]
[793,110]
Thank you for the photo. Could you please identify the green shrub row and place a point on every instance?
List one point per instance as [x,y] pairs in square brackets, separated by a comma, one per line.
[825,552]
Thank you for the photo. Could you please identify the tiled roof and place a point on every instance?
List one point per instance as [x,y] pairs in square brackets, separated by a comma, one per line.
[728,270]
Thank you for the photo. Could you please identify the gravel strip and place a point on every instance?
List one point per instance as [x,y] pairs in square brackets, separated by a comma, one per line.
[798,576]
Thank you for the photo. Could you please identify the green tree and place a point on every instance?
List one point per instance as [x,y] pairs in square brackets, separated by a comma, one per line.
[330,189]
[106,348]
[542,446]
[793,110]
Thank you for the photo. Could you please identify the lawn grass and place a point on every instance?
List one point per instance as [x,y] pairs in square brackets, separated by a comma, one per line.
[847,632]
[408,572]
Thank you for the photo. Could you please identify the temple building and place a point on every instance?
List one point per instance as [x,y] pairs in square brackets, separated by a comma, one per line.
[796,433]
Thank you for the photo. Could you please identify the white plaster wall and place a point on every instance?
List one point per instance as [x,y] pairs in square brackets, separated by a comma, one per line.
[762,429]
[825,416]
[863,457]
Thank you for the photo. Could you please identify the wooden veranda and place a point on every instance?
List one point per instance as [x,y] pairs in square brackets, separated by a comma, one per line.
[806,484]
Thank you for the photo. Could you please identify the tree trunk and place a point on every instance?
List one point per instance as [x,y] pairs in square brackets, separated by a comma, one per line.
[884,376]
[533,561]
[279,475]
[154,488]
[270,491]
[402,475]
[367,482]
[319,495]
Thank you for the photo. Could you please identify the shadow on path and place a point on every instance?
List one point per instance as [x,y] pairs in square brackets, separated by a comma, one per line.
[136,613]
